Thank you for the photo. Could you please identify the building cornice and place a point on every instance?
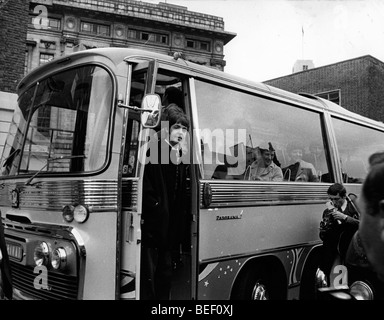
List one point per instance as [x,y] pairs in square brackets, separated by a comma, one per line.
[164,13]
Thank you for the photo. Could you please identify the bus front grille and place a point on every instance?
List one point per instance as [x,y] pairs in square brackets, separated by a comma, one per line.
[57,286]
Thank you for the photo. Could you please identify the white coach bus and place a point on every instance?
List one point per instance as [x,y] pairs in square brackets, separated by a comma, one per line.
[71,179]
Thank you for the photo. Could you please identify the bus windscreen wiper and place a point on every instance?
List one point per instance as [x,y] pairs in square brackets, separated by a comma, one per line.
[28,183]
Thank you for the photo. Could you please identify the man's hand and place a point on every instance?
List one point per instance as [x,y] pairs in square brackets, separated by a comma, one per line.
[338,215]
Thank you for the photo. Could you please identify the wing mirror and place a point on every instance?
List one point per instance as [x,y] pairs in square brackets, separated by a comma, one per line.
[150,110]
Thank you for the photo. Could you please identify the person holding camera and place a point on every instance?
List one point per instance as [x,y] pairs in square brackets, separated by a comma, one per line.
[340,221]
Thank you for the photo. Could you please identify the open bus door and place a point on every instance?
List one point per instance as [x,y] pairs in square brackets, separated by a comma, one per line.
[139,82]
[142,91]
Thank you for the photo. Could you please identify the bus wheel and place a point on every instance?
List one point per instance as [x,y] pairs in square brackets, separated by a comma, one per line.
[312,279]
[259,292]
[255,284]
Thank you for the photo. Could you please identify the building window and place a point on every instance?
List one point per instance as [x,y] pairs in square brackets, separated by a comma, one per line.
[54,24]
[144,36]
[94,28]
[204,46]
[30,45]
[148,36]
[132,34]
[50,23]
[44,120]
[198,45]
[103,30]
[190,44]
[333,96]
[86,27]
[26,62]
[305,67]
[45,57]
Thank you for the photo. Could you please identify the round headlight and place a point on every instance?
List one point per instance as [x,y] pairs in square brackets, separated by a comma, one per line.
[81,213]
[59,258]
[361,291]
[41,254]
[68,213]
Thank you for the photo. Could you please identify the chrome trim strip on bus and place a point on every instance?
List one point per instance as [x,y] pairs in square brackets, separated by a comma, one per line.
[82,254]
[236,193]
[98,195]
[261,252]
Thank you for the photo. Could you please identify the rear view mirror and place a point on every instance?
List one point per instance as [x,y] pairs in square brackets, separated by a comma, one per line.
[151,110]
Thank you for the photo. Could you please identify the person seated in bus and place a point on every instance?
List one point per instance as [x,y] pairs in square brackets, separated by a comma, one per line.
[263,168]
[375,158]
[274,155]
[299,170]
[220,172]
[173,95]
[316,156]
[164,213]
[340,220]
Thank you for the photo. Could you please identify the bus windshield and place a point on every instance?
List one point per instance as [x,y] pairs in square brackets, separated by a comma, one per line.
[65,117]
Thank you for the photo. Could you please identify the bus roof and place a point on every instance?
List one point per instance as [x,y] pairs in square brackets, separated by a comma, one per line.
[117,55]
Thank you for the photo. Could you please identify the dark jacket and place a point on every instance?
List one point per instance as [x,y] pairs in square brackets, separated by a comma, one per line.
[164,200]
[295,172]
[339,235]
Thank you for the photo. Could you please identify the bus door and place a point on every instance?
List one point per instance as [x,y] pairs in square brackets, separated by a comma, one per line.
[145,78]
[138,84]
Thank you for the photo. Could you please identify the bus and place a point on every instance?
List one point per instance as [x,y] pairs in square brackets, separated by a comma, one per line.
[72,178]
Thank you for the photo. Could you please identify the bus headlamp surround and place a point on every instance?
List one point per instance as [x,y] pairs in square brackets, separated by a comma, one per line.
[59,258]
[81,213]
[41,254]
[68,213]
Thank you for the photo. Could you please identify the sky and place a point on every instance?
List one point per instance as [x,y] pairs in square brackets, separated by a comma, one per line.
[273,34]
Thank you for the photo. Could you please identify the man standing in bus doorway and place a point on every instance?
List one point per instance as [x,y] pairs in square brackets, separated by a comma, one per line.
[263,168]
[164,219]
[340,221]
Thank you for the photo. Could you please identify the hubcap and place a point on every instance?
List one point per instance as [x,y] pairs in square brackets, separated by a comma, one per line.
[259,292]
[321,279]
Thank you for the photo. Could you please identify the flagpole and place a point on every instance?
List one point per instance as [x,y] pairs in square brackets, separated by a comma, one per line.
[302,42]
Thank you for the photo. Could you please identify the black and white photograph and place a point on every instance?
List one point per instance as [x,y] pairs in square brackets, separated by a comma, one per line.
[191,156]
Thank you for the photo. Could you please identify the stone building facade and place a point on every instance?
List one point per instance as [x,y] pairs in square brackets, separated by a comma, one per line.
[59,27]
[33,32]
[356,84]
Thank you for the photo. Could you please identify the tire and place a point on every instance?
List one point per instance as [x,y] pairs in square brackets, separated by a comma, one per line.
[312,279]
[256,284]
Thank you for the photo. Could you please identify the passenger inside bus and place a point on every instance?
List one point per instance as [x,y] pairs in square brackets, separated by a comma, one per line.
[220,172]
[316,156]
[264,168]
[173,95]
[299,170]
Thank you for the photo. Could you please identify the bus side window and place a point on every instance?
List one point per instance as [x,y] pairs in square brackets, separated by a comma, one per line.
[355,143]
[234,133]
[131,145]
